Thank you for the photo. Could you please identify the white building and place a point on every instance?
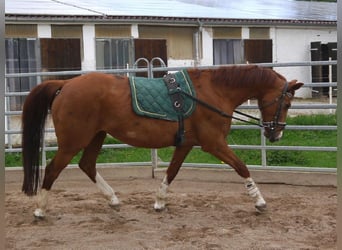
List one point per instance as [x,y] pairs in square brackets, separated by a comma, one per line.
[89,35]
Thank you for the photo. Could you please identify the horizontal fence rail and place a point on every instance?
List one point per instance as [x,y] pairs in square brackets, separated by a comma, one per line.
[154,153]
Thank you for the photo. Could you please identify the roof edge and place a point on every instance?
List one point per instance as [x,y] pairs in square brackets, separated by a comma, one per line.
[163,19]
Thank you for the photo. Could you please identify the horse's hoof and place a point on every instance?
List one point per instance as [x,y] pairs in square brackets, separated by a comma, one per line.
[114,200]
[38,213]
[115,204]
[261,208]
[158,207]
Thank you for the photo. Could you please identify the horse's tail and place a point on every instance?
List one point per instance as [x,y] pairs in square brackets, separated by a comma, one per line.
[35,111]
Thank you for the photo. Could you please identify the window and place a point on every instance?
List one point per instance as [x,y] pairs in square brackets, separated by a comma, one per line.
[25,55]
[228,51]
[238,51]
[114,53]
[22,56]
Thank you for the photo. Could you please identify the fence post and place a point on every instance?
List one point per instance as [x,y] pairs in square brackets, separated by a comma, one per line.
[330,87]
[8,138]
[263,149]
[154,152]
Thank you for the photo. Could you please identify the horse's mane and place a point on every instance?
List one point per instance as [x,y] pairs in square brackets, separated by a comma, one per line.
[245,75]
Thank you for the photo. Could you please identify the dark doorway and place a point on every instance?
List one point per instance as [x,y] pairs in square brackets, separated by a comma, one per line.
[150,48]
[258,51]
[60,55]
[320,73]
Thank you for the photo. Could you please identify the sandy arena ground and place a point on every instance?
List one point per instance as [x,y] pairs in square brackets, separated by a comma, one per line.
[207,209]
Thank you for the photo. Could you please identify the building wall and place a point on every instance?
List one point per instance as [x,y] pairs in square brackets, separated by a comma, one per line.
[293,45]
[112,31]
[191,46]
[20,30]
[179,39]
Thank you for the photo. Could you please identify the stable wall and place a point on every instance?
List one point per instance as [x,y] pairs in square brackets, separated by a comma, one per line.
[191,46]
[293,45]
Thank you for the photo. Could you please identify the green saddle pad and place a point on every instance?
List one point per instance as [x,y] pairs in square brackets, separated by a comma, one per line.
[150,97]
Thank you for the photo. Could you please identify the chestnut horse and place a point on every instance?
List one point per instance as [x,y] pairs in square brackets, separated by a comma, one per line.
[85,108]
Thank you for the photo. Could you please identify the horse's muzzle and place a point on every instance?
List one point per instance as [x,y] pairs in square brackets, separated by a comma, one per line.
[273,131]
[273,136]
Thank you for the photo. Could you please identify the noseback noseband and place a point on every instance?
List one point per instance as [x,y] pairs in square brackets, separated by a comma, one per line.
[272,125]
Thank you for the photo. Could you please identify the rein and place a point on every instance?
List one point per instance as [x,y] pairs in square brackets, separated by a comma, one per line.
[176,94]
[222,113]
[262,124]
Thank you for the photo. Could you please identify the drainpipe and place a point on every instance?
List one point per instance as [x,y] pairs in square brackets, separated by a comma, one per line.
[197,44]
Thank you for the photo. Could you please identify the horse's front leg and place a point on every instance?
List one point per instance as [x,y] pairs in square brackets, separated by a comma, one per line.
[225,154]
[254,192]
[177,159]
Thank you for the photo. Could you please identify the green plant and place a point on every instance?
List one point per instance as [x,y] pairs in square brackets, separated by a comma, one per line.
[236,137]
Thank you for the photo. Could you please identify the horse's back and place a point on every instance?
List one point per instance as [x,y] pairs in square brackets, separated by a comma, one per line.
[86,103]
[96,83]
[91,90]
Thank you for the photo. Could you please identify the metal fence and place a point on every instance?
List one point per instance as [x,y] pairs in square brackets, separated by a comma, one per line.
[150,69]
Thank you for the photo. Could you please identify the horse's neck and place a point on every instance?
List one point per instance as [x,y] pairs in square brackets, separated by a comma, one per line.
[236,95]
[239,84]
[226,95]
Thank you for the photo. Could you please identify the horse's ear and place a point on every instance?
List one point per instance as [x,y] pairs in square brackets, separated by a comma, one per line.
[294,85]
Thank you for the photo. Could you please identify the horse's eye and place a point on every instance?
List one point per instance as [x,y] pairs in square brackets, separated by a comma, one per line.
[289,94]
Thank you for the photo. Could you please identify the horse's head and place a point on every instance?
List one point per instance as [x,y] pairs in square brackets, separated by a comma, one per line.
[274,106]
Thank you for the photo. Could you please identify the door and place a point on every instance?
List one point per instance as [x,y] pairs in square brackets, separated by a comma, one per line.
[320,73]
[150,48]
[258,50]
[60,55]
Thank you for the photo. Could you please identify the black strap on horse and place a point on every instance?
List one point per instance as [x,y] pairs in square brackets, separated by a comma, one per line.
[222,113]
[177,101]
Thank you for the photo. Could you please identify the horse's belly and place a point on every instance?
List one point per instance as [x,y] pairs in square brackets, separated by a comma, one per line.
[146,135]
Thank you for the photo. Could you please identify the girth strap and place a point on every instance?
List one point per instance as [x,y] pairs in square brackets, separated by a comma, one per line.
[177,101]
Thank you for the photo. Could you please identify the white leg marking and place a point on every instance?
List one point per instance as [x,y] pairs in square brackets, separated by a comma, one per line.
[254,192]
[161,195]
[106,190]
[42,200]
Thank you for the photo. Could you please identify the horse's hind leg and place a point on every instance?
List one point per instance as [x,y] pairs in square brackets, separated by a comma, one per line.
[177,159]
[52,171]
[88,165]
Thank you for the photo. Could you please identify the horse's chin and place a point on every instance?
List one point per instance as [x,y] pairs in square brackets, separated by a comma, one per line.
[274,137]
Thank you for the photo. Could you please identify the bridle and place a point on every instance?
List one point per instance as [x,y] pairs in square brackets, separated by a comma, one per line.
[275,123]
